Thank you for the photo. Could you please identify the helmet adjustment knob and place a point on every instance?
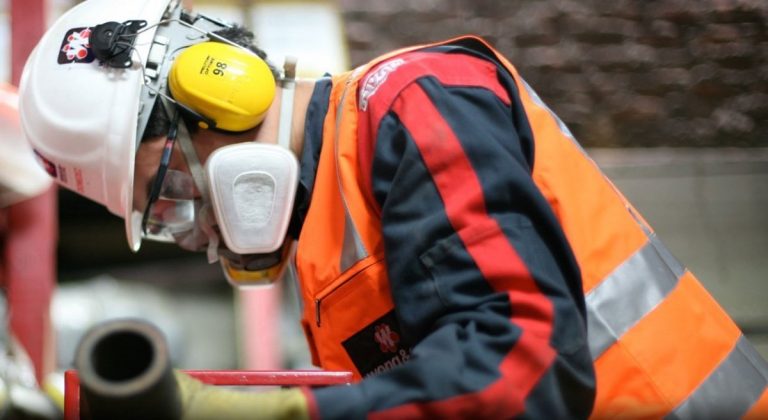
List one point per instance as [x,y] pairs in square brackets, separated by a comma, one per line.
[112,42]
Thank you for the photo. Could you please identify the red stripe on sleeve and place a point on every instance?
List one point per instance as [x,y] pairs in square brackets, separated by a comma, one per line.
[312,409]
[450,70]
[500,264]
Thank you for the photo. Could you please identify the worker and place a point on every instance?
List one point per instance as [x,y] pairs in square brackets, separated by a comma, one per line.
[455,248]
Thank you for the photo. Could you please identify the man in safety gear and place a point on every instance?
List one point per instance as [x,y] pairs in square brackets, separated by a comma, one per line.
[456,249]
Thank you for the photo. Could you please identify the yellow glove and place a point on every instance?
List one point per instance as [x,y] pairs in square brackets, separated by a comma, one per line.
[207,402]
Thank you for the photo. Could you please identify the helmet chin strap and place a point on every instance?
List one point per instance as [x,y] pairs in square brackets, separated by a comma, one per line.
[207,219]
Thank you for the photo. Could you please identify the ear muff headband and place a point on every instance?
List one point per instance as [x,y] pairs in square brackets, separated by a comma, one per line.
[226,84]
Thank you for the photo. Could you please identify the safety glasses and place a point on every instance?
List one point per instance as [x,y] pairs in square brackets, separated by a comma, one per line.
[170,206]
[172,210]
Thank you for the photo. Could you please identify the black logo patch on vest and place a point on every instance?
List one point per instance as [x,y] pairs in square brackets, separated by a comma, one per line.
[378,347]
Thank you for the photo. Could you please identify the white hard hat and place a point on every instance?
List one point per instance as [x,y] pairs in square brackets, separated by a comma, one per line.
[80,116]
[20,176]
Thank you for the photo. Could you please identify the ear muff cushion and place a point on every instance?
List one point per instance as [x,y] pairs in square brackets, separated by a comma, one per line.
[224,83]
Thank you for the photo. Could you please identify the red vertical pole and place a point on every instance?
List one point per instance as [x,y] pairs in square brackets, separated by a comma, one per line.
[27,26]
[260,328]
[30,244]
[30,240]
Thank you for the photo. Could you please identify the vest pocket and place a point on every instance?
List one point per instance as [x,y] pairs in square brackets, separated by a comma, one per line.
[355,278]
[458,278]
[354,324]
[453,270]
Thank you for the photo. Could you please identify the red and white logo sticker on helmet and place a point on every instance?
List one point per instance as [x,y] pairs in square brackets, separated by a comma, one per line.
[49,166]
[61,172]
[76,47]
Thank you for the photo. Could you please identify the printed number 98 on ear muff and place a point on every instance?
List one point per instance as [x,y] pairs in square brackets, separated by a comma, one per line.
[224,83]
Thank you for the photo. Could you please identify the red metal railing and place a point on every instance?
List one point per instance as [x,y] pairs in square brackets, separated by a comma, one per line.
[223,378]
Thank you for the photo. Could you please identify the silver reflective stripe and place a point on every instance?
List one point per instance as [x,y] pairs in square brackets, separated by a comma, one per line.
[352,249]
[731,390]
[560,124]
[678,269]
[630,292]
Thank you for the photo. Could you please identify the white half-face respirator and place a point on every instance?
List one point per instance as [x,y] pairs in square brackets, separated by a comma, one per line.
[252,188]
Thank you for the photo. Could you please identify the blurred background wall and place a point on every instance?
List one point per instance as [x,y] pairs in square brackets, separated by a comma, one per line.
[620,73]
[669,96]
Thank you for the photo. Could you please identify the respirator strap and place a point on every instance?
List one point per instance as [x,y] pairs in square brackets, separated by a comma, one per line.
[195,168]
[198,175]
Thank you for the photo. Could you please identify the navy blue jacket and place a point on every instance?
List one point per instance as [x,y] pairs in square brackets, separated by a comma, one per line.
[479,267]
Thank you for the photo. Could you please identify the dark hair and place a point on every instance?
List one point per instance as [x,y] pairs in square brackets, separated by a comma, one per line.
[159,123]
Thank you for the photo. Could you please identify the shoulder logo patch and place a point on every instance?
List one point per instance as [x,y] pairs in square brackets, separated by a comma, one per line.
[374,80]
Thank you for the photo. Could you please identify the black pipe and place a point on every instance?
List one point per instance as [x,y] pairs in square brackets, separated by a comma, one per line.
[125,373]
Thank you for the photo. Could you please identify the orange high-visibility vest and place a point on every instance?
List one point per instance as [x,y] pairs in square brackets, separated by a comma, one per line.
[661,344]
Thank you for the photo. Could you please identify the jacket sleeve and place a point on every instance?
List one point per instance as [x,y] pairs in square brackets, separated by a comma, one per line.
[486,288]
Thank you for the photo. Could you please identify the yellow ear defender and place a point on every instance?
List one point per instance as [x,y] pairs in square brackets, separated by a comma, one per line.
[228,85]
